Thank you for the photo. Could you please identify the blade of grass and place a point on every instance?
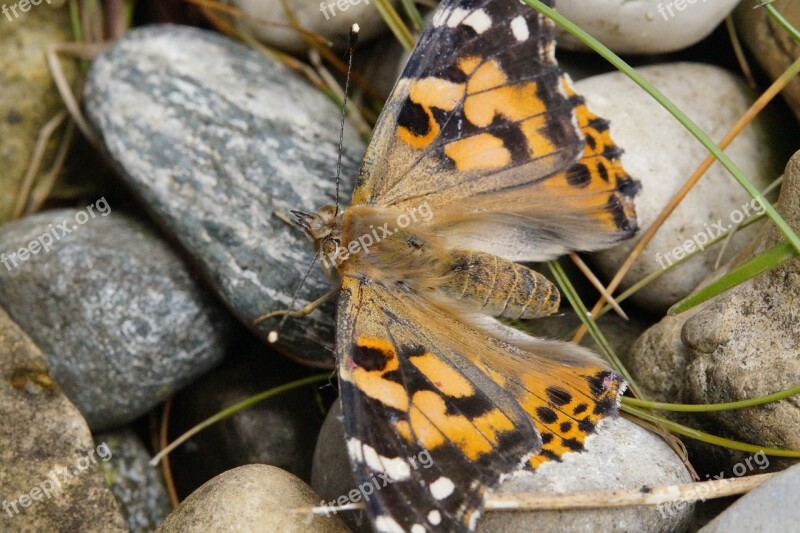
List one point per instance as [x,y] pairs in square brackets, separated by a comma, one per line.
[707,408]
[395,23]
[413,14]
[235,408]
[783,23]
[761,263]
[706,437]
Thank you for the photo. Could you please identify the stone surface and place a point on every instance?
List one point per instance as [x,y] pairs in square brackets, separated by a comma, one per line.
[41,435]
[662,155]
[137,486]
[123,323]
[771,506]
[214,148]
[332,21]
[774,47]
[643,26]
[620,455]
[746,343]
[280,431]
[29,96]
[252,498]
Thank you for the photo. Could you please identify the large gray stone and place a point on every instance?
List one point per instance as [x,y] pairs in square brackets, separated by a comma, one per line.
[123,323]
[214,148]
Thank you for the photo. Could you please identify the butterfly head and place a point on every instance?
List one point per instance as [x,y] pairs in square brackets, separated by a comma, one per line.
[323,228]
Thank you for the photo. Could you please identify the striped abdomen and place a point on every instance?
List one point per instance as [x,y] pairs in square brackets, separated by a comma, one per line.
[498,287]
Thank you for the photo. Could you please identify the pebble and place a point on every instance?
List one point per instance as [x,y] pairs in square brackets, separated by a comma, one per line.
[49,474]
[215,148]
[643,26]
[138,487]
[253,498]
[621,455]
[773,47]
[331,19]
[29,96]
[746,343]
[771,506]
[123,323]
[662,155]
[280,431]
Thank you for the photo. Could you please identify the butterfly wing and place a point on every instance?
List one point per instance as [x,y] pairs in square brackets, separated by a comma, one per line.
[483,126]
[441,392]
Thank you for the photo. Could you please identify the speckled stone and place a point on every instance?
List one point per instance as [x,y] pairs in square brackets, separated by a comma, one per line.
[746,343]
[214,148]
[620,455]
[138,487]
[251,499]
[123,323]
[42,434]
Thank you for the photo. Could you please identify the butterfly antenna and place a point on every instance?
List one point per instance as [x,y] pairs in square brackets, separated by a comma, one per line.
[351,45]
[272,336]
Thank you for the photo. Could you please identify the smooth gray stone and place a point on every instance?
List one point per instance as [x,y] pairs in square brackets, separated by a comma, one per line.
[215,138]
[122,322]
[769,507]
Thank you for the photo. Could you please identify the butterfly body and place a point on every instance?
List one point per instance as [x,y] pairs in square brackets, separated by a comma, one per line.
[483,156]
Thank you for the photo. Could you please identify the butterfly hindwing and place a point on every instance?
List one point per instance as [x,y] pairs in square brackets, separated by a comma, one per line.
[419,413]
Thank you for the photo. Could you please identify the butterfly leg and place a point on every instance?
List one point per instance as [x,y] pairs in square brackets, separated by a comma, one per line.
[298,313]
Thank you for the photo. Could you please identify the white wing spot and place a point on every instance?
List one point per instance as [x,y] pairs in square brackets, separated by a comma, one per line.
[397,469]
[440,17]
[416,528]
[456,17]
[442,488]
[387,524]
[519,27]
[435,517]
[478,21]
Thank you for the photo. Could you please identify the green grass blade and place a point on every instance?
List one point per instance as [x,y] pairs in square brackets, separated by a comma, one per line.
[395,23]
[763,262]
[706,437]
[413,14]
[695,130]
[235,408]
[785,24]
[707,408]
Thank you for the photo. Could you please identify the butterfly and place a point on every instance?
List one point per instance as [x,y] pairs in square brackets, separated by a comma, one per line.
[483,157]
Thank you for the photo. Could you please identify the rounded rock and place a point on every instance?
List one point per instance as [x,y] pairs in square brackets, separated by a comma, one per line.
[123,323]
[252,498]
[643,26]
[330,19]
